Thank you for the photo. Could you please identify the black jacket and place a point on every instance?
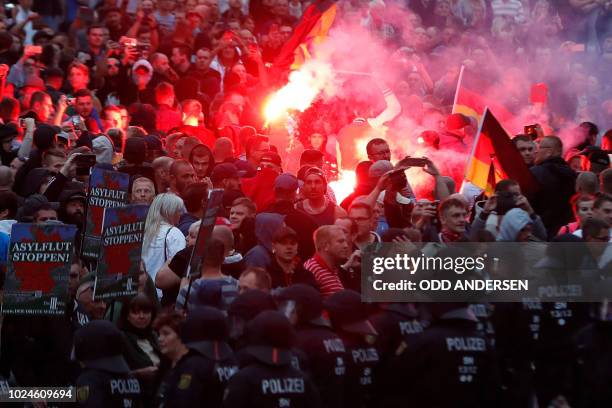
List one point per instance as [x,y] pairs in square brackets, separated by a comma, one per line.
[552,201]
[450,364]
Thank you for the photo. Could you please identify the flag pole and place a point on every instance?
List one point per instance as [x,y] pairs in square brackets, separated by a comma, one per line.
[476,139]
[458,87]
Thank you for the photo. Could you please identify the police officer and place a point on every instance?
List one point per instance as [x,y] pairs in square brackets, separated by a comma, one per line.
[270,380]
[348,317]
[323,348]
[200,376]
[243,309]
[393,321]
[593,354]
[105,380]
[449,364]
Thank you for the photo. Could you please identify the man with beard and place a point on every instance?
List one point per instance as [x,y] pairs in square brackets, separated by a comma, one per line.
[72,207]
[182,175]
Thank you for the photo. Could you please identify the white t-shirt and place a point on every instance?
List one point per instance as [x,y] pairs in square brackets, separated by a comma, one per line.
[168,237]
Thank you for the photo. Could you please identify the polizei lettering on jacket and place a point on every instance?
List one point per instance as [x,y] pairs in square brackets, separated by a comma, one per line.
[282,386]
[124,386]
[104,197]
[41,251]
[465,344]
[124,234]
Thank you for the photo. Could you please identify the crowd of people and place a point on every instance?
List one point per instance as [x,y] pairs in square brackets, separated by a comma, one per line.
[171,92]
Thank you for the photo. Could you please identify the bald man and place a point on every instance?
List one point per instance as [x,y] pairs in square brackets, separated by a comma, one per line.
[223,149]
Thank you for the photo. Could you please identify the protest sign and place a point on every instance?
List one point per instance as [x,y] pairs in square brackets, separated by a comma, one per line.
[120,251]
[107,189]
[40,256]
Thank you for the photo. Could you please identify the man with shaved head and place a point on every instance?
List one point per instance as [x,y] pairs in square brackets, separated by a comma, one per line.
[182,175]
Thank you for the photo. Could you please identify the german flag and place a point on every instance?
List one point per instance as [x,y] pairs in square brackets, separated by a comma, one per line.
[473,104]
[494,157]
[312,29]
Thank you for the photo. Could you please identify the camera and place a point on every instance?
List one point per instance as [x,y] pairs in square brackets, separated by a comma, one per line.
[506,200]
[83,163]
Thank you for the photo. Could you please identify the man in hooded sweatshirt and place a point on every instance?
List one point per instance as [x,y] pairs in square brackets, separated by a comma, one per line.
[516,226]
[265,226]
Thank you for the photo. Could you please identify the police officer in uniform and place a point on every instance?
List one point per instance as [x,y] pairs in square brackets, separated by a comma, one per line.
[325,351]
[105,381]
[270,380]
[199,378]
[348,317]
[593,354]
[449,364]
[393,321]
[243,309]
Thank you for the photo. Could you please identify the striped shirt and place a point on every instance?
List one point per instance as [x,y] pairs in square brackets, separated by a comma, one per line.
[327,279]
[508,8]
[202,293]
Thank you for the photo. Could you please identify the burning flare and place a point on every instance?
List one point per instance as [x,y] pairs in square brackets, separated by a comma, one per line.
[344,186]
[303,87]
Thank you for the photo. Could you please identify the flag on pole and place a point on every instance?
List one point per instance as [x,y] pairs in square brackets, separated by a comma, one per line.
[312,29]
[494,157]
[473,104]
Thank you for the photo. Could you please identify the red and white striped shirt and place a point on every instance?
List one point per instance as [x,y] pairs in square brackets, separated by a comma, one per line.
[327,279]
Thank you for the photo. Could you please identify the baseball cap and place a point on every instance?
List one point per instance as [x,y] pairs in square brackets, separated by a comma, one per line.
[379,168]
[223,171]
[271,157]
[286,181]
[99,345]
[284,233]
[315,171]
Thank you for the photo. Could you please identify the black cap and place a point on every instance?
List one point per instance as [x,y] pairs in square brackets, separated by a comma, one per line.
[250,303]
[205,330]
[271,157]
[222,171]
[99,345]
[308,300]
[270,337]
[72,195]
[347,312]
[8,132]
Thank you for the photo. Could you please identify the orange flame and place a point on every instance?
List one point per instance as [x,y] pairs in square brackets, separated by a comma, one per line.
[344,185]
[303,87]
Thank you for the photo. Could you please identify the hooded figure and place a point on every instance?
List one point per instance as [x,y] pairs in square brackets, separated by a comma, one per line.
[103,149]
[266,225]
[138,89]
[512,224]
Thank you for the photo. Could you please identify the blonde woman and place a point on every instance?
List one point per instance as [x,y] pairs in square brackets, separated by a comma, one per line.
[162,240]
